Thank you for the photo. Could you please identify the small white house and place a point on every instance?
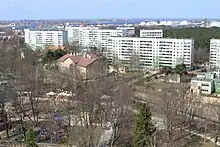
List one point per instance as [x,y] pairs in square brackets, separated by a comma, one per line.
[203,83]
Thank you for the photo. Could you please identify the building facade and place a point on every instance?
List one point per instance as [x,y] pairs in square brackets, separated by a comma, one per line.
[98,37]
[214,57]
[151,52]
[127,31]
[203,83]
[74,33]
[87,66]
[41,38]
[151,33]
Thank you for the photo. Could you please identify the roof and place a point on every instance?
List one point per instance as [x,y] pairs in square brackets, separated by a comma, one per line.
[76,58]
[80,60]
[63,58]
[56,47]
[201,79]
[84,62]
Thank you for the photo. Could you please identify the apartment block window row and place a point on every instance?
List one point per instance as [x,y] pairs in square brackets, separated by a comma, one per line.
[155,50]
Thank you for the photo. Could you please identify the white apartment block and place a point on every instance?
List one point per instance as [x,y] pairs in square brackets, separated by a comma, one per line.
[151,33]
[41,38]
[152,52]
[98,37]
[127,31]
[74,33]
[214,57]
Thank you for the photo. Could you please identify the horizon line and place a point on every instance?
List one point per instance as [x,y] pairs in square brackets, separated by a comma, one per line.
[122,18]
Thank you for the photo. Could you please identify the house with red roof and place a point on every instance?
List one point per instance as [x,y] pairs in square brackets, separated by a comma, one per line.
[88,66]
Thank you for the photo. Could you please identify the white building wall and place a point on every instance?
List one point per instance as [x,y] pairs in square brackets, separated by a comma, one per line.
[74,33]
[214,57]
[98,37]
[42,38]
[151,33]
[200,85]
[127,31]
[152,52]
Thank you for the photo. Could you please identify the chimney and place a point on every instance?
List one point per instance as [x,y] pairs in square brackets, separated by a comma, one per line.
[71,54]
[90,57]
[84,55]
[74,54]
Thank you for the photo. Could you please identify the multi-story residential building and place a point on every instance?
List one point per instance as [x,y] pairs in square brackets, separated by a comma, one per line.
[214,57]
[41,38]
[127,31]
[151,52]
[74,33]
[151,33]
[98,37]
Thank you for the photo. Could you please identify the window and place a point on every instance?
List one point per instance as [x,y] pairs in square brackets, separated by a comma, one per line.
[204,90]
[205,84]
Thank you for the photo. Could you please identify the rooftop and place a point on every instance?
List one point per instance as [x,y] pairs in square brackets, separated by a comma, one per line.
[56,47]
[202,79]
[45,29]
[80,60]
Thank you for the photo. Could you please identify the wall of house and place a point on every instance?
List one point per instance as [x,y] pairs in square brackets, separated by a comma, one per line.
[94,69]
[202,86]
[64,66]
[82,71]
[91,71]
[68,62]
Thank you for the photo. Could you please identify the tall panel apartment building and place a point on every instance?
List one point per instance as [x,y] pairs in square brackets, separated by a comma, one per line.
[127,31]
[41,38]
[152,52]
[214,57]
[74,33]
[151,33]
[98,37]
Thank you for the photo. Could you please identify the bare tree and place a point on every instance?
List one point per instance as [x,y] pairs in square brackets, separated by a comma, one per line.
[178,109]
[115,101]
[217,108]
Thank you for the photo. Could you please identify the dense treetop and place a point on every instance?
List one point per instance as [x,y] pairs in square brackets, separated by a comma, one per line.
[201,36]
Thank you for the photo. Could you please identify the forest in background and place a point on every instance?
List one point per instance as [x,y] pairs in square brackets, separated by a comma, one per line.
[201,37]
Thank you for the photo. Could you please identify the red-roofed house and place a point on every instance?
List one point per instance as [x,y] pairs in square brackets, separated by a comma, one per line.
[88,66]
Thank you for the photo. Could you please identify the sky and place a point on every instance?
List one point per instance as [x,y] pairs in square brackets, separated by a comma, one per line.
[86,9]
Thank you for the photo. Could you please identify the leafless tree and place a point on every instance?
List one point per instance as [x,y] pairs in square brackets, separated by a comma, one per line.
[115,101]
[217,108]
[178,109]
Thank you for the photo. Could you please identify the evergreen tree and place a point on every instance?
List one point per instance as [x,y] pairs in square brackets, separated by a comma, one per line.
[143,128]
[181,69]
[31,139]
